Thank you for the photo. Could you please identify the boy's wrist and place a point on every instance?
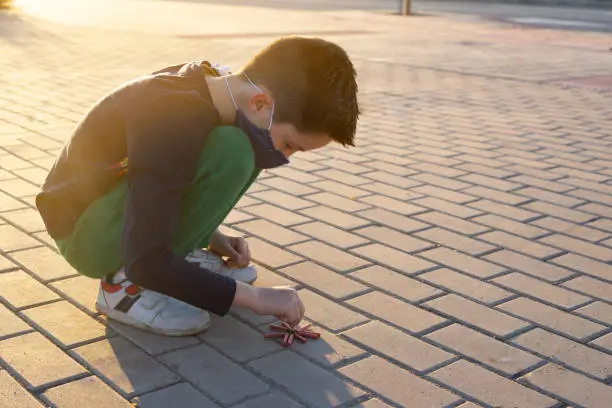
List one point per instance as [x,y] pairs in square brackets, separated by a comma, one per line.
[245,296]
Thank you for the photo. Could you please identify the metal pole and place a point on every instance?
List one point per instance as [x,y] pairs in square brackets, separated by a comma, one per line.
[406,7]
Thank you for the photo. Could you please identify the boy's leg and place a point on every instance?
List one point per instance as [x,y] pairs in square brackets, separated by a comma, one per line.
[225,171]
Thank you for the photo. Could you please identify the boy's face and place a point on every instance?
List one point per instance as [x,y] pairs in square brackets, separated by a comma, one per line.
[288,140]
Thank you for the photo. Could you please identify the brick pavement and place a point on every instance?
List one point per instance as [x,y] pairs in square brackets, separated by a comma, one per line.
[460,256]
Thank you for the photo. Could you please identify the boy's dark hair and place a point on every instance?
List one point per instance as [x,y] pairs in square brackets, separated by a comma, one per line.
[313,83]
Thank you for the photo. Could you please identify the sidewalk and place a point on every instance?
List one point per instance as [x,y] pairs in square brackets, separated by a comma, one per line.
[459,256]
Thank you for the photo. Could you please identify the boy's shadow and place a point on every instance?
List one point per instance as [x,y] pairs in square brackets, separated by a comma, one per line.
[226,364]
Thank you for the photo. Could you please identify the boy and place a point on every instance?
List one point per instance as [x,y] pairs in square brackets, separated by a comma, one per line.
[154,168]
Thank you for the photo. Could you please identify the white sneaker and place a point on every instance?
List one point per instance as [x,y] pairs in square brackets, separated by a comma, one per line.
[213,262]
[148,310]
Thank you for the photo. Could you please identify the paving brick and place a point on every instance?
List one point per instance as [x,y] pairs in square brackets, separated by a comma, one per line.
[331,235]
[346,166]
[13,239]
[529,265]
[544,195]
[329,282]
[518,244]
[276,399]
[400,386]
[488,350]
[395,283]
[86,392]
[575,230]
[393,220]
[392,179]
[465,263]
[456,241]
[591,286]
[393,258]
[19,187]
[328,256]
[281,199]
[605,342]
[566,351]
[452,223]
[236,216]
[504,210]
[236,340]
[338,218]
[447,207]
[552,318]
[270,255]
[21,290]
[602,223]
[598,311]
[391,158]
[589,185]
[286,186]
[491,182]
[81,290]
[391,191]
[392,204]
[476,314]
[438,181]
[28,220]
[10,324]
[485,170]
[437,169]
[585,265]
[6,264]
[308,381]
[342,177]
[559,211]
[443,193]
[11,390]
[399,346]
[536,288]
[394,238]
[294,174]
[579,246]
[267,278]
[490,388]
[598,209]
[125,365]
[271,232]
[44,262]
[180,395]
[329,314]
[495,195]
[67,324]
[339,188]
[338,202]
[571,386]
[395,311]
[152,343]
[28,353]
[276,214]
[466,285]
[592,196]
[514,227]
[373,403]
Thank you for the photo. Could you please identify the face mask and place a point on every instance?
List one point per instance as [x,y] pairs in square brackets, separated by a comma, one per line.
[266,156]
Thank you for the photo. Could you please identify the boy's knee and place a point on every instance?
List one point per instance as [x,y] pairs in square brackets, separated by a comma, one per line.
[230,149]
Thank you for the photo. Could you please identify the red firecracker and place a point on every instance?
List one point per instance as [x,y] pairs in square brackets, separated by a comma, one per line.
[288,333]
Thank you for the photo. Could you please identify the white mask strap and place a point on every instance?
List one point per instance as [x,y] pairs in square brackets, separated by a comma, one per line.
[230,92]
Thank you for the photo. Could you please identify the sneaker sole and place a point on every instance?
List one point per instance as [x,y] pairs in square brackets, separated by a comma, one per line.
[122,318]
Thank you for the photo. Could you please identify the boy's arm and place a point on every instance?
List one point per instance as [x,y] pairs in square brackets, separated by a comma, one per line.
[165,138]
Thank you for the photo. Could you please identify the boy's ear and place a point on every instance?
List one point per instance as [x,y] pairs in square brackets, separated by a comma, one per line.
[260,101]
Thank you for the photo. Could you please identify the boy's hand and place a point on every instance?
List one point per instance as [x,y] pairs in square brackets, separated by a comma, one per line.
[282,302]
[235,248]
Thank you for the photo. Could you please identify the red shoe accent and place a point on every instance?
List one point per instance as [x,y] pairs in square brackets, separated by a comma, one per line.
[111,287]
[133,290]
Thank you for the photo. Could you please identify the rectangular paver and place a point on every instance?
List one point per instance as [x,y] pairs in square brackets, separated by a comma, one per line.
[328,255]
[325,280]
[466,285]
[397,384]
[489,387]
[214,374]
[180,395]
[310,382]
[490,351]
[13,394]
[329,313]
[29,353]
[396,283]
[10,324]
[552,318]
[571,386]
[476,314]
[20,290]
[567,351]
[395,239]
[393,258]
[518,244]
[579,246]
[393,220]
[465,263]
[529,265]
[399,346]
[539,289]
[598,311]
[331,235]
[452,223]
[86,392]
[396,312]
[331,216]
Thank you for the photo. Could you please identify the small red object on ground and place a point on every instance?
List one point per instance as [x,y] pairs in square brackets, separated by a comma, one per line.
[288,333]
